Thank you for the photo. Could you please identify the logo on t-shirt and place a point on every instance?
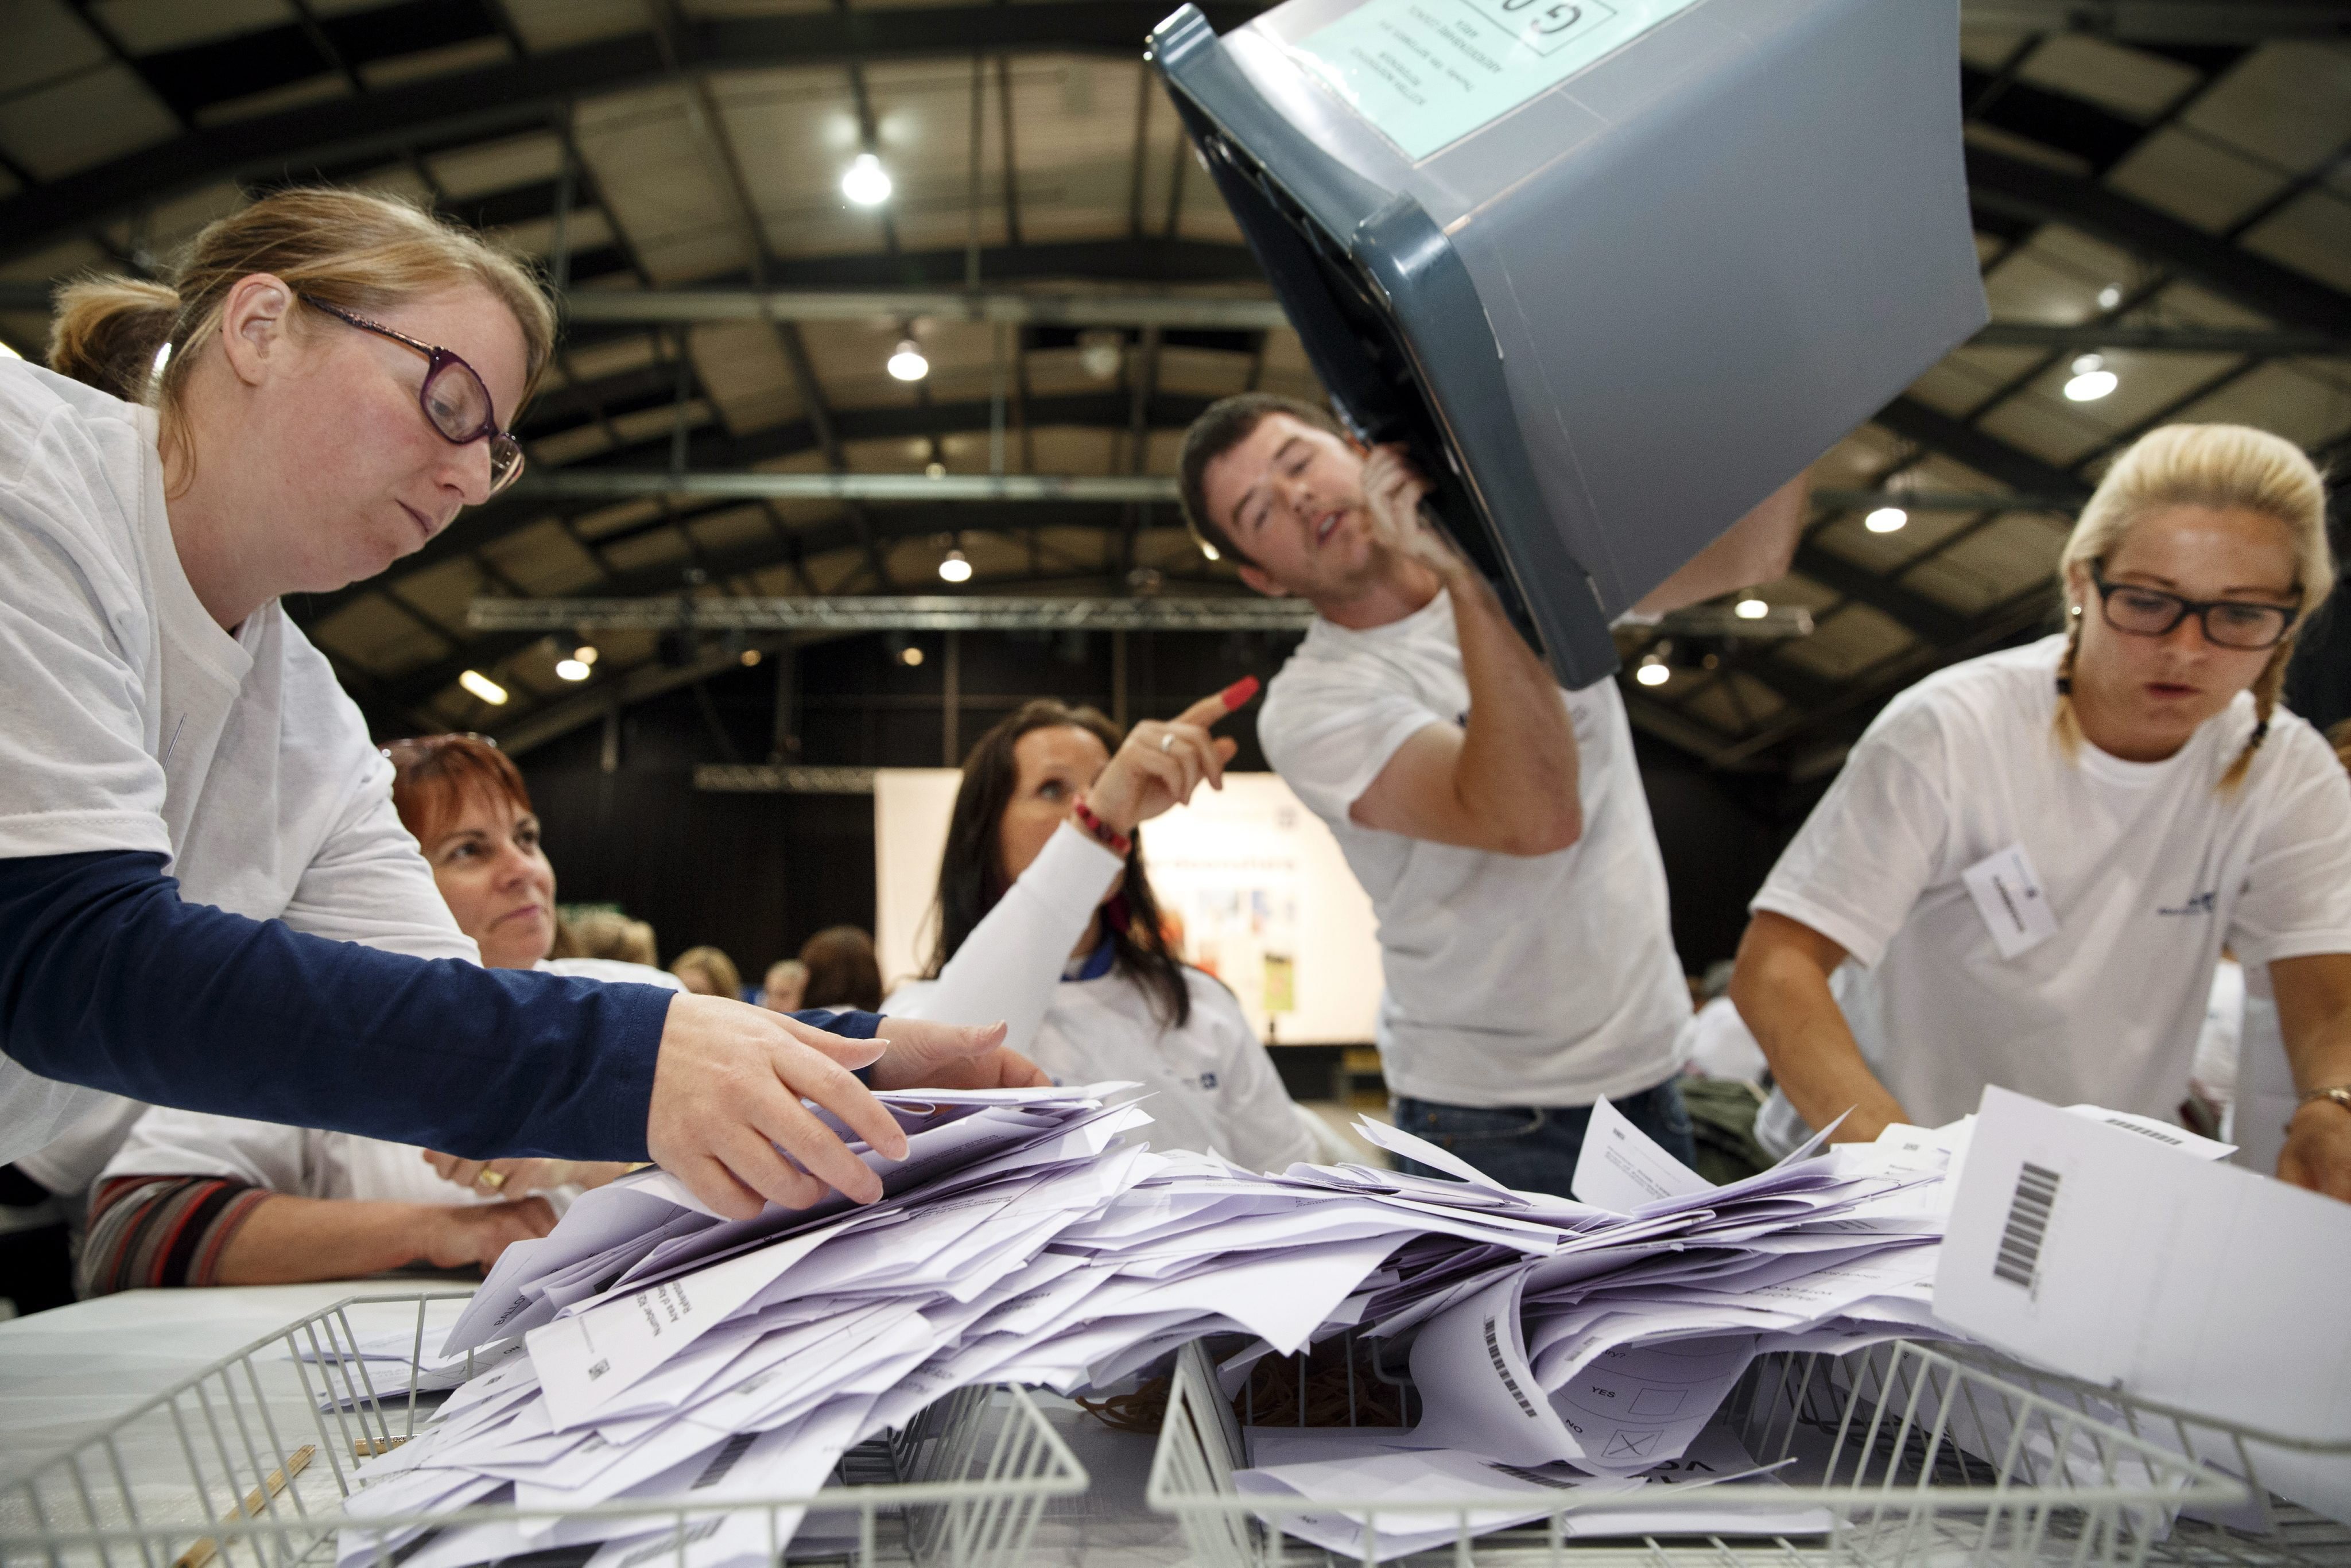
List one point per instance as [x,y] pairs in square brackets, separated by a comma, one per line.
[2202,904]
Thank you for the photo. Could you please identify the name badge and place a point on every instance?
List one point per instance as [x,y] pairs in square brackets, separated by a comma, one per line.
[2007,895]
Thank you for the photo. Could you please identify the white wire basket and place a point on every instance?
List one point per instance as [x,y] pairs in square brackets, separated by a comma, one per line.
[1909,1454]
[246,1465]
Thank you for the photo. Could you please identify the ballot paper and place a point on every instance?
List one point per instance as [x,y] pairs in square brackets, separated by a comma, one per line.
[2117,1260]
[649,1352]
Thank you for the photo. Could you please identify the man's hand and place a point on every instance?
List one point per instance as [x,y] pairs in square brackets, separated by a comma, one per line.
[2317,1153]
[727,1105]
[922,1055]
[1393,491]
[473,1235]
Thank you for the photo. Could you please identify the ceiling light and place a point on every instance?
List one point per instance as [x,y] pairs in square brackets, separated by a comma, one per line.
[866,183]
[2091,379]
[935,471]
[1099,353]
[570,669]
[908,364]
[751,658]
[956,566]
[1751,610]
[2109,296]
[1885,521]
[910,655]
[585,653]
[1653,672]
[482,686]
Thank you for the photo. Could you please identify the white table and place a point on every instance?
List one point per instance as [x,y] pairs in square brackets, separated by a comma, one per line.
[65,1374]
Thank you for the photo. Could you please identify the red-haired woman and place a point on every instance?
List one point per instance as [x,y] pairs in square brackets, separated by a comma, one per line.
[198,1199]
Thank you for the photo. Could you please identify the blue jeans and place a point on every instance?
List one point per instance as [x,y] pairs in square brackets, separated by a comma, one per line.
[1534,1147]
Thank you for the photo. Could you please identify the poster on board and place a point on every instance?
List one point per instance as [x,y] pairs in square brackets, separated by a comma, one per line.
[1253,887]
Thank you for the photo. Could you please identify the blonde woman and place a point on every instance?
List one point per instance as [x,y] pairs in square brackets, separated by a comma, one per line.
[205,897]
[2026,872]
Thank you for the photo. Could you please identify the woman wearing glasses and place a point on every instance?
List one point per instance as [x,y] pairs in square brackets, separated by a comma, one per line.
[2029,866]
[205,897]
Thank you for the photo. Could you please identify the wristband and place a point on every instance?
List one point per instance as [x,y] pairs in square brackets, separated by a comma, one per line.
[1109,838]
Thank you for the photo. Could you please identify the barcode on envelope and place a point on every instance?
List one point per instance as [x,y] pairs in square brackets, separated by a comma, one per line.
[2028,1226]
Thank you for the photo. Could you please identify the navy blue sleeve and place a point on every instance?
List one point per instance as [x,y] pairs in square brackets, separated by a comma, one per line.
[108,980]
[846,1023]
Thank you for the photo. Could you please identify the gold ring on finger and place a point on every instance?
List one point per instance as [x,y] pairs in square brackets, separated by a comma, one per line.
[491,1179]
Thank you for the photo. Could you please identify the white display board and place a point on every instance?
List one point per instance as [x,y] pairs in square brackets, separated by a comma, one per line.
[1263,898]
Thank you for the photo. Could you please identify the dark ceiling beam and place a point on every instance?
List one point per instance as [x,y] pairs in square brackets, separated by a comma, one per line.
[1922,617]
[2164,21]
[518,95]
[2041,195]
[2085,336]
[1988,454]
[418,686]
[715,449]
[559,713]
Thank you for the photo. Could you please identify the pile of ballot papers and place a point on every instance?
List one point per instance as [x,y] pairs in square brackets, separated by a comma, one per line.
[648,1351]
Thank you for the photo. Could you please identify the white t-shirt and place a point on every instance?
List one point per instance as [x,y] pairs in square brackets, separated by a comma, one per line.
[1716,1043]
[304,1162]
[1511,979]
[2147,867]
[1211,1083]
[130,721]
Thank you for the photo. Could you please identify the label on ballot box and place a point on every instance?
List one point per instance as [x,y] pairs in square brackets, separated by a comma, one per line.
[1427,73]
[2099,1251]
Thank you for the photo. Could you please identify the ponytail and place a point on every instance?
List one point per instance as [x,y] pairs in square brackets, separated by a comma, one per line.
[108,332]
[351,249]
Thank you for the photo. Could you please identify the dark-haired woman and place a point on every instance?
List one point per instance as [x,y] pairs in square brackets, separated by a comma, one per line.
[1046,920]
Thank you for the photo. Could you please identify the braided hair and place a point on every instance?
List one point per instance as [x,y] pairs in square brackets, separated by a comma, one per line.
[2266,686]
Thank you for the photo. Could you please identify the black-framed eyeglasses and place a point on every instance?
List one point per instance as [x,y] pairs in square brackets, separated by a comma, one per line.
[2228,623]
[455,402]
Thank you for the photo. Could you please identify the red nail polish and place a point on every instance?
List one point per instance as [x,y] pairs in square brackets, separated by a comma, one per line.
[1239,692]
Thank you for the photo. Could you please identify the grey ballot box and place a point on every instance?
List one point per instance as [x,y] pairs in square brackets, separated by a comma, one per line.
[1613,270]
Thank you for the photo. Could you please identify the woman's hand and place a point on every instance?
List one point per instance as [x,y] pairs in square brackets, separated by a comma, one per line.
[512,1178]
[727,1099]
[927,1055]
[2317,1153]
[463,1235]
[1161,764]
